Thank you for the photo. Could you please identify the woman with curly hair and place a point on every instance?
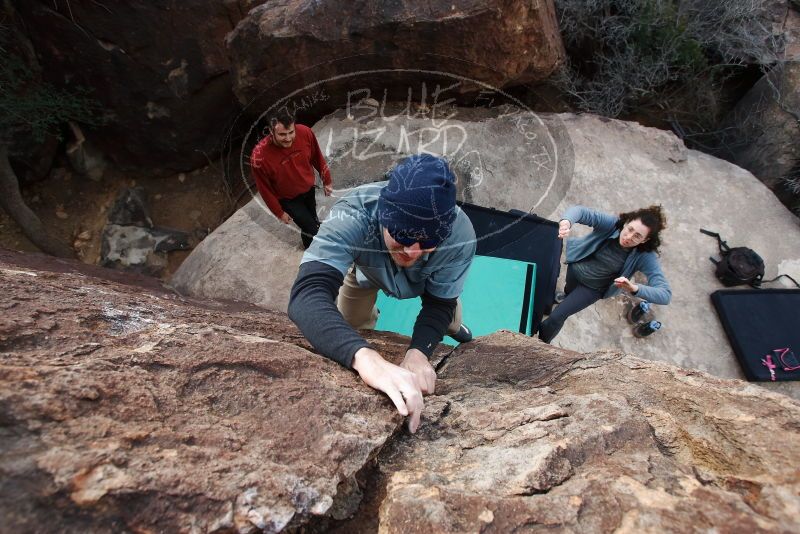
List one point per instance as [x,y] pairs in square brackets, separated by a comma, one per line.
[601,264]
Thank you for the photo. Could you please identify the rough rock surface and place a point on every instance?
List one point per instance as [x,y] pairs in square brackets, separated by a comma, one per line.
[125,408]
[128,408]
[508,159]
[783,19]
[522,436]
[286,45]
[159,69]
[762,130]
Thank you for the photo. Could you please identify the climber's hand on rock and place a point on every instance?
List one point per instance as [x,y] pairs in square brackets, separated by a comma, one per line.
[398,383]
[564,226]
[424,374]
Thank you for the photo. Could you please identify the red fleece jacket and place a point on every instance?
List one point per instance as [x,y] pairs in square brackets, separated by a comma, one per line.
[283,173]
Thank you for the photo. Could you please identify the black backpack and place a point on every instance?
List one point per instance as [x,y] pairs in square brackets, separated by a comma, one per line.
[737,266]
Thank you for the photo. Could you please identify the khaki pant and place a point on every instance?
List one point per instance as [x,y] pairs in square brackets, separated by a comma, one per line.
[357,305]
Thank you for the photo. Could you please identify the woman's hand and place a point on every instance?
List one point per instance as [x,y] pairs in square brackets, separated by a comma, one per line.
[625,284]
[564,226]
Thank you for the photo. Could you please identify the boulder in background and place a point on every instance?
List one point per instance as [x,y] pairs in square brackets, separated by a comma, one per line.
[158,69]
[761,133]
[292,45]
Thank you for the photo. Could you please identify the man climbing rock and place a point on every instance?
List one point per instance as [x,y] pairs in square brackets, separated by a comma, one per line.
[408,238]
[283,166]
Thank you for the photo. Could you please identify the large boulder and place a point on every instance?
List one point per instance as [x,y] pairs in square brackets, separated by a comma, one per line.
[510,159]
[251,257]
[126,408]
[522,437]
[158,69]
[290,45]
[761,132]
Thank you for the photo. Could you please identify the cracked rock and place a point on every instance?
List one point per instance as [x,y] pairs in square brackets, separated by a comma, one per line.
[128,408]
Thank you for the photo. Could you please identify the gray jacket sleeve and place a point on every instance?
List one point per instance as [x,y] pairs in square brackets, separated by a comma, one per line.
[596,219]
[657,289]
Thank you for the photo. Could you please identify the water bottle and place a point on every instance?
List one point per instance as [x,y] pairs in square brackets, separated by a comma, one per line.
[638,312]
[645,329]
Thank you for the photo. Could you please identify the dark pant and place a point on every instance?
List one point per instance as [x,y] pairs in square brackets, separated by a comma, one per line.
[578,297]
[303,211]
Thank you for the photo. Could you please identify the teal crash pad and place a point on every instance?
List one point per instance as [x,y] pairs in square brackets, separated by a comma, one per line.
[495,297]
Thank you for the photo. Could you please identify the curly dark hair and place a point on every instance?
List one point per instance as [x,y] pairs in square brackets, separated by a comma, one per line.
[283,116]
[653,218]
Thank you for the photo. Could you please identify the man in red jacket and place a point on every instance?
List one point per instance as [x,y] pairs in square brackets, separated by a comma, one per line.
[282,164]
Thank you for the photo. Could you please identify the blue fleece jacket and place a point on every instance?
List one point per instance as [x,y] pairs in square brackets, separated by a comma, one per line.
[657,289]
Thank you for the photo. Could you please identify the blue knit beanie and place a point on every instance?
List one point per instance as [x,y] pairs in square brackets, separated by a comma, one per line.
[419,202]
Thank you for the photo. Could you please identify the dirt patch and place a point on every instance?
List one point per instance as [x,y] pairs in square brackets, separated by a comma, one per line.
[76,208]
